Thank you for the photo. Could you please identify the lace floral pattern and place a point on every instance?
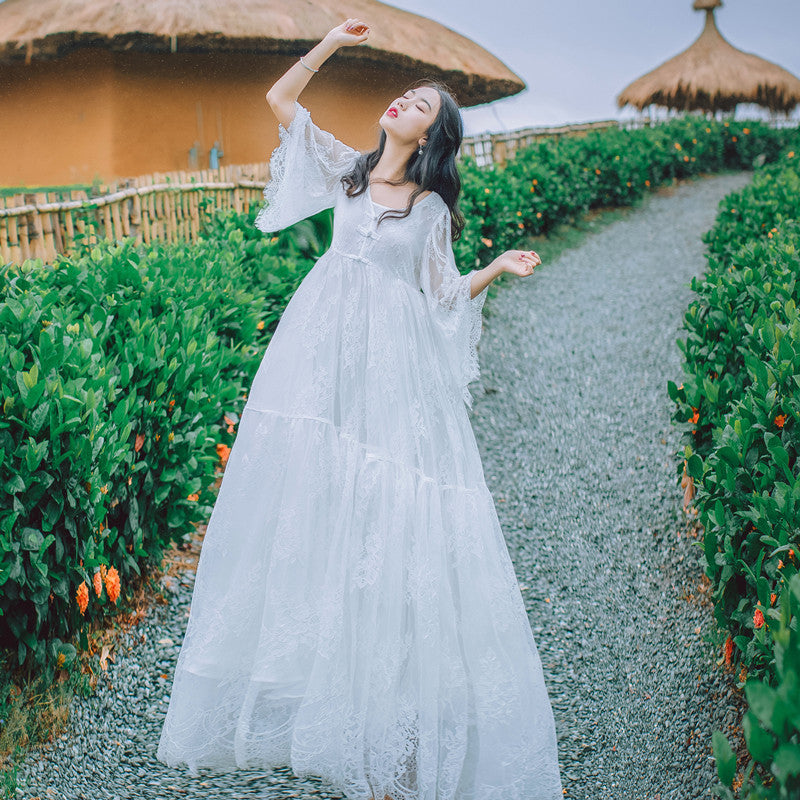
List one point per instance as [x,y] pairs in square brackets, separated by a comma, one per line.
[356,615]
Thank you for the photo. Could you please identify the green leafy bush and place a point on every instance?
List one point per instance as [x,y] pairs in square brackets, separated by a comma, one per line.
[740,397]
[125,371]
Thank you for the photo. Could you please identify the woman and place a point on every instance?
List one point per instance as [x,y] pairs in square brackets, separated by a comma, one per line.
[356,615]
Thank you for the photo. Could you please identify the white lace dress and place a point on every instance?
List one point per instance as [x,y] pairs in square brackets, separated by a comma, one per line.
[356,615]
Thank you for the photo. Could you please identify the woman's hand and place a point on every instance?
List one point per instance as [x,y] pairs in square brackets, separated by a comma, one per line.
[351,31]
[518,262]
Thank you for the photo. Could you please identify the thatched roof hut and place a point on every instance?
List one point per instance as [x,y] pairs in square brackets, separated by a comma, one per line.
[115,88]
[712,75]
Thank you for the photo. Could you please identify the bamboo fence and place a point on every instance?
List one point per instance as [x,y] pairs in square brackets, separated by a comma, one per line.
[164,206]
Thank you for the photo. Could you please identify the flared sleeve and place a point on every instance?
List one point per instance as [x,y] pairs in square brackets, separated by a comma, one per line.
[456,316]
[305,171]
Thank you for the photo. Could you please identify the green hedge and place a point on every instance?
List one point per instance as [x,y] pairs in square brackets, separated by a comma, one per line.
[558,179]
[739,404]
[125,368]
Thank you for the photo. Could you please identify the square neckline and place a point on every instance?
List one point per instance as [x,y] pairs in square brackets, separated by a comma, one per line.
[392,208]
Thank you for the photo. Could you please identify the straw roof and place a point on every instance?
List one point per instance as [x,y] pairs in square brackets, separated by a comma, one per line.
[46,29]
[713,75]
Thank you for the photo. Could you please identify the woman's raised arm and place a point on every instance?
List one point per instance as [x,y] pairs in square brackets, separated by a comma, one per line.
[283,93]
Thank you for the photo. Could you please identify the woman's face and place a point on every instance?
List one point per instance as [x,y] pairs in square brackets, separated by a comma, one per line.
[410,115]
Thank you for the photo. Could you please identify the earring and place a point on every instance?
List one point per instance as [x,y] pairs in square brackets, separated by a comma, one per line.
[420,150]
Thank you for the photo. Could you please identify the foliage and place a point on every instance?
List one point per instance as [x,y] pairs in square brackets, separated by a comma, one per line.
[741,402]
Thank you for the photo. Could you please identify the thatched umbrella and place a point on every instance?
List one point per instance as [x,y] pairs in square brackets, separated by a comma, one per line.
[712,75]
[41,29]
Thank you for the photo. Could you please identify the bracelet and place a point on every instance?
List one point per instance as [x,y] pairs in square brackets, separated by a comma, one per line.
[306,65]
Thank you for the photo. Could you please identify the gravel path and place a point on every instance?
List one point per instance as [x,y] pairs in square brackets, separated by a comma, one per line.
[574,428]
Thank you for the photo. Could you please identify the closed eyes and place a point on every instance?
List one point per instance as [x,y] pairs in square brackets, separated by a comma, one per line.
[419,106]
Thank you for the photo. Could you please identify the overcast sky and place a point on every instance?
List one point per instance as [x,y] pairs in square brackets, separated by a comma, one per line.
[576,55]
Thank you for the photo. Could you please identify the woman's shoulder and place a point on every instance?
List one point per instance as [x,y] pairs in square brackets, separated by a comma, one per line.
[434,201]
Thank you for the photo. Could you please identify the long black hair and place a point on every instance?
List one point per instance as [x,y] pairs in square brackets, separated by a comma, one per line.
[434,169]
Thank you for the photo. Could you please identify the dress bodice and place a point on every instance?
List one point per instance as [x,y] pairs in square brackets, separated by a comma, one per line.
[306,171]
[394,245]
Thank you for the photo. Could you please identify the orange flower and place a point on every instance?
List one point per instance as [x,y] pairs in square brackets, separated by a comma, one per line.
[708,130]
[521,225]
[790,154]
[538,215]
[772,599]
[487,190]
[97,581]
[686,158]
[647,183]
[745,131]
[758,618]
[728,650]
[273,240]
[597,172]
[791,553]
[60,660]
[780,563]
[193,497]
[734,139]
[677,146]
[780,420]
[260,325]
[535,182]
[112,584]
[171,405]
[82,596]
[694,141]
[519,213]
[223,451]
[487,242]
[695,416]
[628,184]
